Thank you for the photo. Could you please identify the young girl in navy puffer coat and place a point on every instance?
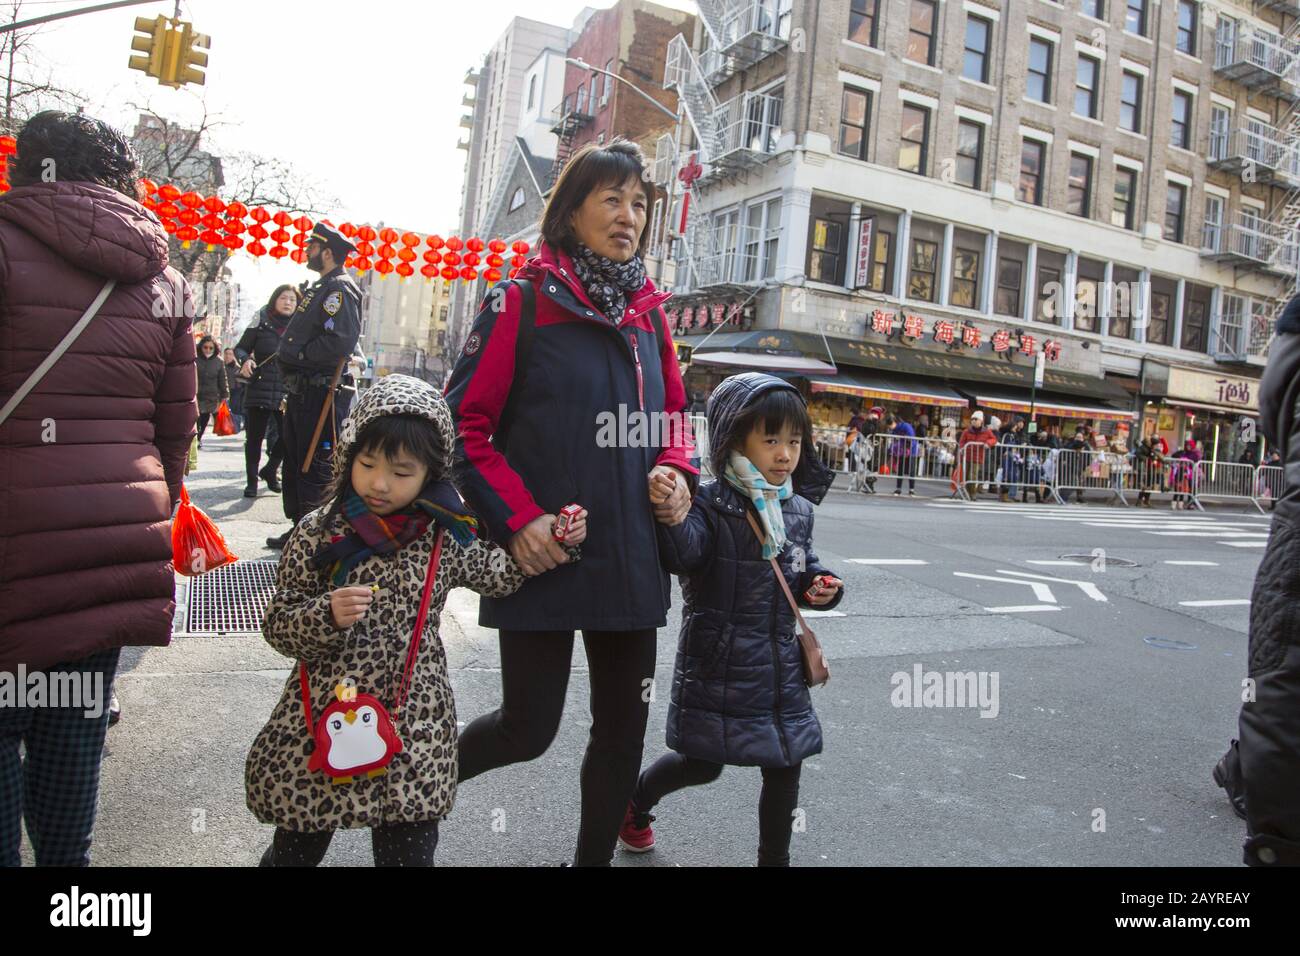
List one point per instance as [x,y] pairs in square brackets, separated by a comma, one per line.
[738,692]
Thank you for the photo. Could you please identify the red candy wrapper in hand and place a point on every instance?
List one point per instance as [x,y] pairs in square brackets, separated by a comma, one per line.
[563,520]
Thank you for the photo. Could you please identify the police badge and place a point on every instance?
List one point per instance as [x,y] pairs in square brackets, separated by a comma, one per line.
[330,307]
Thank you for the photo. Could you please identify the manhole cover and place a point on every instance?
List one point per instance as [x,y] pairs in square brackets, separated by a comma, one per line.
[1108,560]
[1169,644]
[228,601]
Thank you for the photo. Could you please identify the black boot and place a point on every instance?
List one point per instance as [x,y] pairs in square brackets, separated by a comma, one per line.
[1227,774]
[250,490]
[268,474]
[278,543]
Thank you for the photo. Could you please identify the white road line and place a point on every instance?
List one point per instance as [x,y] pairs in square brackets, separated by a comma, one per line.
[1060,564]
[1234,602]
[1087,587]
[1041,591]
[1196,564]
[1023,608]
[806,613]
[910,561]
[1211,534]
[1245,544]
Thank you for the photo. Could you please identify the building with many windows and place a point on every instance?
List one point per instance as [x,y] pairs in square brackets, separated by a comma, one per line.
[918,201]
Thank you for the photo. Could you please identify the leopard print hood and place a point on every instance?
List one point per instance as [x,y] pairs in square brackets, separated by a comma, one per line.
[397,395]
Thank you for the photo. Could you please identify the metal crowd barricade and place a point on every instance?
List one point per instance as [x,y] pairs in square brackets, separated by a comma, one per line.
[1088,470]
[831,449]
[909,460]
[1224,480]
[1269,484]
[1016,470]
[700,430]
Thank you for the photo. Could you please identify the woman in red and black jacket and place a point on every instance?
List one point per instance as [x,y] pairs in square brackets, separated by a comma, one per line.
[587,425]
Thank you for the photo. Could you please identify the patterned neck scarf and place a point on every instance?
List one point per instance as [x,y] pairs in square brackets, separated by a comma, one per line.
[388,534]
[744,476]
[607,282]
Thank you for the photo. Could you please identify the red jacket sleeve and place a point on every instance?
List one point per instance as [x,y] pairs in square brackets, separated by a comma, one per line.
[680,452]
[477,393]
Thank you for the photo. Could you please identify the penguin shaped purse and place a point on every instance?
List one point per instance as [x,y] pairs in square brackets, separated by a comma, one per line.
[355,736]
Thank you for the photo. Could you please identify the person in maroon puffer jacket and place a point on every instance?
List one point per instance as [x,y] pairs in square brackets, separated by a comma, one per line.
[90,463]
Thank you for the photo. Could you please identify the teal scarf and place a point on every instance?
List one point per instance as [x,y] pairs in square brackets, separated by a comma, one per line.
[742,475]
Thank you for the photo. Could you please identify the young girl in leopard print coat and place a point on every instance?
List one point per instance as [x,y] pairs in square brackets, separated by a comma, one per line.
[392,498]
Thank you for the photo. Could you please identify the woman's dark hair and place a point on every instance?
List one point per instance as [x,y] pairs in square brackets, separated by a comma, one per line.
[774,409]
[591,168]
[280,290]
[216,346]
[389,435]
[80,148]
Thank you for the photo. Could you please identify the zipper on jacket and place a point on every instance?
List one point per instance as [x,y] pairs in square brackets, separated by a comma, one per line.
[776,674]
[640,377]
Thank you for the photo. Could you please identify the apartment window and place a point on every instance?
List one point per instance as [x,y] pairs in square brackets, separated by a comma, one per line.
[855,117]
[862,21]
[920,31]
[1158,326]
[1212,229]
[763,222]
[979,33]
[1187,25]
[1032,153]
[1006,300]
[1220,131]
[517,199]
[1095,9]
[970,152]
[609,82]
[532,90]
[1135,17]
[1175,202]
[1130,102]
[1231,324]
[1181,133]
[827,245]
[763,121]
[1079,199]
[914,139]
[1038,84]
[1085,86]
[1089,276]
[1121,210]
[921,283]
[881,278]
[595,85]
[965,278]
[1124,301]
[1049,285]
[1196,311]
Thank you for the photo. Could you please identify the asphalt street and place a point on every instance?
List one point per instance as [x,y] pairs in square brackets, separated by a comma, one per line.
[1115,639]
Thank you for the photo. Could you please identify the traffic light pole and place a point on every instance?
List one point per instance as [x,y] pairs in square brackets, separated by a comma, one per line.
[10,27]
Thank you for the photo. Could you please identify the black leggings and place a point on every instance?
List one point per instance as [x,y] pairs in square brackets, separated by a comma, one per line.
[534,678]
[258,419]
[776,802]
[203,423]
[401,844]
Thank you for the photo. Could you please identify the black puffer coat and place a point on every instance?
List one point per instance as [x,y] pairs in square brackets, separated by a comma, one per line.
[1270,725]
[738,694]
[259,342]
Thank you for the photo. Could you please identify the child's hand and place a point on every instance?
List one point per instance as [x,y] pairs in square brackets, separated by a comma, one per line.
[349,605]
[830,586]
[661,486]
[577,530]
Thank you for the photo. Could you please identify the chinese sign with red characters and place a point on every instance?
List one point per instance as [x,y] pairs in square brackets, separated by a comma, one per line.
[953,335]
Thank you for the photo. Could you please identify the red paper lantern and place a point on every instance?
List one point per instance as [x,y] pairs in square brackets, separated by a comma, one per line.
[365,249]
[170,226]
[282,219]
[454,244]
[386,251]
[259,215]
[188,217]
[299,256]
[303,224]
[497,246]
[472,259]
[211,221]
[404,270]
[493,275]
[475,244]
[281,236]
[148,185]
[348,230]
[451,258]
[8,146]
[256,248]
[214,205]
[168,210]
[469,273]
[513,273]
[520,247]
[191,200]
[234,227]
[435,242]
[388,234]
[187,234]
[366,234]
[300,240]
[383,267]
[433,258]
[236,210]
[410,239]
[517,262]
[429,272]
[279,252]
[495,261]
[449,273]
[405,254]
[257,232]
[169,192]
[362,264]
[232,242]
[146,202]
[211,237]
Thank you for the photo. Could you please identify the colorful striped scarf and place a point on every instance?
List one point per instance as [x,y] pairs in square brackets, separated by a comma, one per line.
[387,534]
[743,475]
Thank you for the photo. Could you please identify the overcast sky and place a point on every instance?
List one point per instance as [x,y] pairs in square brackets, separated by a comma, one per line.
[363,96]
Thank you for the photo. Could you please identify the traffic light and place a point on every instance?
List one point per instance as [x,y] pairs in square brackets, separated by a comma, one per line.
[190,60]
[153,43]
[173,59]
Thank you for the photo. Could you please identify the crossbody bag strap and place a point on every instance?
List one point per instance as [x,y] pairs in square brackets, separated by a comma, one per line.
[785,587]
[55,355]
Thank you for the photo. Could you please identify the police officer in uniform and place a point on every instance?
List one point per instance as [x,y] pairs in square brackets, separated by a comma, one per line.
[321,334]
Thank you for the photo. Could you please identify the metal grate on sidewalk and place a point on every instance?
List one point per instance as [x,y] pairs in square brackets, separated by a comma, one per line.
[226,602]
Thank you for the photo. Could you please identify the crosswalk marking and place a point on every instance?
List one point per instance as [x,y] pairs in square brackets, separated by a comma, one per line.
[910,561]
[1233,602]
[1023,608]
[1197,564]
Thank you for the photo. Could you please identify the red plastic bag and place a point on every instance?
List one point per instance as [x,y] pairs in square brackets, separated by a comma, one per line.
[225,422]
[197,545]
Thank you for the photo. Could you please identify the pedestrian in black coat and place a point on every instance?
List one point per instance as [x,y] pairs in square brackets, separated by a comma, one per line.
[265,387]
[738,692]
[1261,772]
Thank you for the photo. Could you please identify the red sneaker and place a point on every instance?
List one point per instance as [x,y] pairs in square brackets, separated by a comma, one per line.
[635,836]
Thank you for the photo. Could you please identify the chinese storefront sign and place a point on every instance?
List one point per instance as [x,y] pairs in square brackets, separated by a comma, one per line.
[912,328]
[705,315]
[1213,389]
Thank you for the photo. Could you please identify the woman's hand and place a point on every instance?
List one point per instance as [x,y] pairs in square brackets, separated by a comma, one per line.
[830,587]
[349,605]
[670,506]
[536,549]
[577,531]
[246,370]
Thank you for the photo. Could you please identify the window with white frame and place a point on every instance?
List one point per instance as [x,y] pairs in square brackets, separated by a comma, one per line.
[762,233]
[1231,324]
[1212,229]
[1038,83]
[517,199]
[1220,131]
[970,153]
[1180,133]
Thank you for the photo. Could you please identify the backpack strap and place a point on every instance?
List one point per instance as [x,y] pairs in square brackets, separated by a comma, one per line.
[523,352]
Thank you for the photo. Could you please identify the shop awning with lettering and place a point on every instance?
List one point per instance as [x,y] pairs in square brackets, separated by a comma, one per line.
[869,385]
[1048,405]
[765,362]
[1236,412]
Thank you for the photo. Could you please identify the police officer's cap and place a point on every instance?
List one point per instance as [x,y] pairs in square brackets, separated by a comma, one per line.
[334,240]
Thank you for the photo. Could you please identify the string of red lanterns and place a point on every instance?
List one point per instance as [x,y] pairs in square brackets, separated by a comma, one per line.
[208,219]
[8,147]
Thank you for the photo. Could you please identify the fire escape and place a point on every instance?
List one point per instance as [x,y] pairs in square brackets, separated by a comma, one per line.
[1268,63]
[732,136]
[570,117]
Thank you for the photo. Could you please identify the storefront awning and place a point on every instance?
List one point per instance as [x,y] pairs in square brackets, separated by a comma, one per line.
[888,389]
[1205,407]
[760,360]
[1048,405]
